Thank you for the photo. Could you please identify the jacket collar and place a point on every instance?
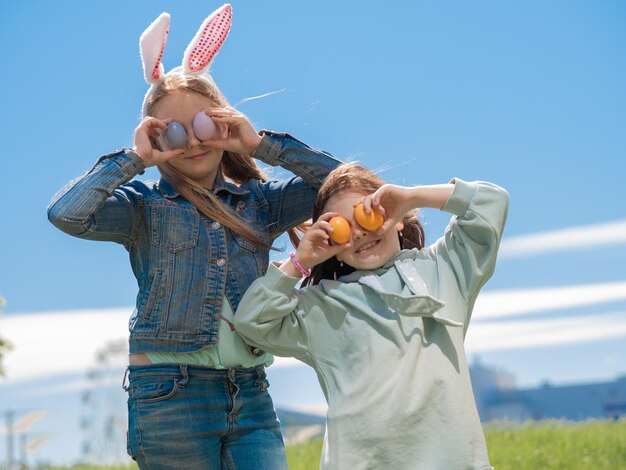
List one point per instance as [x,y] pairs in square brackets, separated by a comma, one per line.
[167,189]
[221,185]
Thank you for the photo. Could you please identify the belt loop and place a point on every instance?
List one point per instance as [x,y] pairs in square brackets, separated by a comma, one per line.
[124,386]
[261,375]
[231,374]
[184,373]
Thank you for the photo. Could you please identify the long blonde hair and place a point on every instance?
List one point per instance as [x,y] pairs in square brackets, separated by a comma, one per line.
[237,167]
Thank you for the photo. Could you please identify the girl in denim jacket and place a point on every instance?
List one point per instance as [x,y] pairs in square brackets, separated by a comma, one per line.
[196,239]
[382,319]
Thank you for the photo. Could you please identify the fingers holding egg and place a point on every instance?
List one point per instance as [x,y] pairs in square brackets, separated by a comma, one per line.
[340,230]
[372,221]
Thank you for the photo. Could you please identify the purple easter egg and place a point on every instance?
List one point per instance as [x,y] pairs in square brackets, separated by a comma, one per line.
[176,136]
[203,126]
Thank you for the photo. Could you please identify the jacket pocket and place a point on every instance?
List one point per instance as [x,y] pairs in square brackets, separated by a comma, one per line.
[174,228]
[244,243]
[152,301]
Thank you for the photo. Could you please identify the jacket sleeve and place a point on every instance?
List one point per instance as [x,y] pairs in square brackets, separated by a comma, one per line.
[94,206]
[273,316]
[291,201]
[471,240]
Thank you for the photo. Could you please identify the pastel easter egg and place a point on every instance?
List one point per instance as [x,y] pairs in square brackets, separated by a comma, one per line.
[372,221]
[341,230]
[203,126]
[176,136]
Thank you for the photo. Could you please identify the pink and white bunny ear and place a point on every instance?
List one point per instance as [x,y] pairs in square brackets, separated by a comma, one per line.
[151,46]
[208,40]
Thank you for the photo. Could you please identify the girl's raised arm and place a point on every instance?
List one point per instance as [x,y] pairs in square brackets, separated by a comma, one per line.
[472,238]
[394,201]
[291,200]
[92,206]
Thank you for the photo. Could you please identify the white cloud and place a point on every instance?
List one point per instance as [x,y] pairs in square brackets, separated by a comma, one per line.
[507,302]
[48,344]
[565,239]
[547,332]
[54,343]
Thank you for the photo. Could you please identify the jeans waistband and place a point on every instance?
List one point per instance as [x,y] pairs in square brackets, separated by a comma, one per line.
[187,371]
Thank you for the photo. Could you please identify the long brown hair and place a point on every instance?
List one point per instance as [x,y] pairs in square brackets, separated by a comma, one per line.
[237,167]
[354,177]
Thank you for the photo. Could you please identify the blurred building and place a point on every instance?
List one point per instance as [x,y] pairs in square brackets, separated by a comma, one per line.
[498,398]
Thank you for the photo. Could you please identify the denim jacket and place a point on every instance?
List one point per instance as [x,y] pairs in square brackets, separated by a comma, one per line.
[186,264]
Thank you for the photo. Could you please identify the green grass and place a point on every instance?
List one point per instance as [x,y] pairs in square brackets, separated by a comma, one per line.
[305,455]
[598,445]
[558,445]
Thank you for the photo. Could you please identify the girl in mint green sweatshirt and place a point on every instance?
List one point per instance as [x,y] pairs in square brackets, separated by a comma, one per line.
[382,320]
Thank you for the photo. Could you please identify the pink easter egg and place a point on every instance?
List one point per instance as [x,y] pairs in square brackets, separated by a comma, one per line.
[203,126]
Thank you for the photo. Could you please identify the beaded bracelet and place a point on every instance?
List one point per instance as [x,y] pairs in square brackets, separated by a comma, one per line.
[299,267]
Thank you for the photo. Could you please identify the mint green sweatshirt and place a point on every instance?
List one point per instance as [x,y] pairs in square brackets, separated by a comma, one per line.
[387,345]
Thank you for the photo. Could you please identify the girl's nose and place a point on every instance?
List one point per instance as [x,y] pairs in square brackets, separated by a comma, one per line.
[358,232]
[192,140]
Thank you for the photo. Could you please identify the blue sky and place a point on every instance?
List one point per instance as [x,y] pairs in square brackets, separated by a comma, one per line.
[529,95]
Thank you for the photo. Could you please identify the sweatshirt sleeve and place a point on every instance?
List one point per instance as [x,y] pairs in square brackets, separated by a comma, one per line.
[471,240]
[272,317]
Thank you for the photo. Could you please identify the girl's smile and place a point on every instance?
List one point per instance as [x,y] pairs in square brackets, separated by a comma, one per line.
[197,156]
[368,247]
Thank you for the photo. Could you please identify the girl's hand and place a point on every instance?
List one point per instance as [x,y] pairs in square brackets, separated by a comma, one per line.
[145,133]
[315,248]
[235,133]
[392,201]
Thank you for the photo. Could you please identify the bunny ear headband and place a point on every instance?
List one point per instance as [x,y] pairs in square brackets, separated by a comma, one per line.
[198,55]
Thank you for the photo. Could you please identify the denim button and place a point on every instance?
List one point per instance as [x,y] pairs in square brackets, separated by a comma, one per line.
[215,225]
[221,262]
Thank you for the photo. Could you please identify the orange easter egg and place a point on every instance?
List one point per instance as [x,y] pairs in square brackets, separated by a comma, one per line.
[341,230]
[372,221]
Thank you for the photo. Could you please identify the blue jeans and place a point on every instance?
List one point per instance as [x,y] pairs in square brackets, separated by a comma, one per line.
[189,417]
